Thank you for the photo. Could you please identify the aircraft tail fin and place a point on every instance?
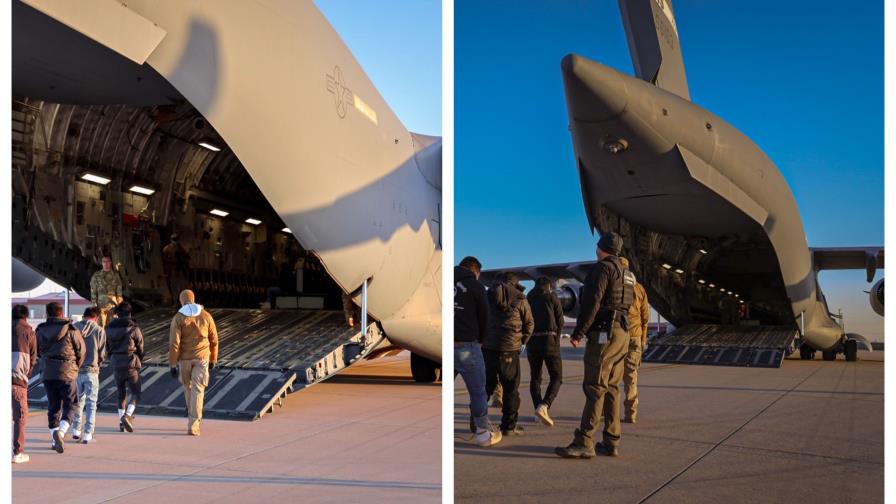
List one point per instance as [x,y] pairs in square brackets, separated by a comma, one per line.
[654,45]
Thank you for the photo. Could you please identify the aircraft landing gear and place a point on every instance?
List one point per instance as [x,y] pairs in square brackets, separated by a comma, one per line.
[423,370]
[807,352]
[829,355]
[851,350]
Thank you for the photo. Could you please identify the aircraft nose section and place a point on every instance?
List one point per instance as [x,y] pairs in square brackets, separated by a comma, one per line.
[594,92]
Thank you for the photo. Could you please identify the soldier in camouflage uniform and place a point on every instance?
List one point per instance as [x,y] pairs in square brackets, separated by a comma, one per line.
[105,290]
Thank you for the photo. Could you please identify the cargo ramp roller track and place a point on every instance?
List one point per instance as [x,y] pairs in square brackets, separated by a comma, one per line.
[263,355]
[724,345]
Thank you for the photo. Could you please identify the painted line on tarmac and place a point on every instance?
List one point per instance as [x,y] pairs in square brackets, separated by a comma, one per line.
[729,436]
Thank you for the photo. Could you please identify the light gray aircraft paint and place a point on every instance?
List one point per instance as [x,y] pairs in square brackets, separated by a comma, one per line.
[707,219]
[129,90]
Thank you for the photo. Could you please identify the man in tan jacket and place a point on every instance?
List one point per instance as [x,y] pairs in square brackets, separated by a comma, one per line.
[192,351]
[638,315]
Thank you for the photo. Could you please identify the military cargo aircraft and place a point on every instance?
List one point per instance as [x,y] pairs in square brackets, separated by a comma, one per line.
[710,225]
[247,129]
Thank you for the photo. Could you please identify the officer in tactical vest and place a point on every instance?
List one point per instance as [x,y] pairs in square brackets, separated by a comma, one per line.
[607,294]
[105,290]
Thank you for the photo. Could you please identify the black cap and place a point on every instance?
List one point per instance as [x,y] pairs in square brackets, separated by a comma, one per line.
[610,243]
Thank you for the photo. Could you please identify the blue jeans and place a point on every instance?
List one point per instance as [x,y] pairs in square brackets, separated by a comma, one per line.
[469,364]
[88,390]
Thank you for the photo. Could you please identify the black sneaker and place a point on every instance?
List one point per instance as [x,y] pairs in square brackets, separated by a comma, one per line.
[610,451]
[58,441]
[127,423]
[575,451]
[515,431]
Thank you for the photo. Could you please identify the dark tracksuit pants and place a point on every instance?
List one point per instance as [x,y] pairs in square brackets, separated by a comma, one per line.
[538,360]
[62,400]
[127,381]
[504,367]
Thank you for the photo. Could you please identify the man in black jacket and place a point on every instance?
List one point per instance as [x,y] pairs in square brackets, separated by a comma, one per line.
[24,359]
[510,326]
[470,327]
[61,349]
[607,294]
[544,347]
[124,342]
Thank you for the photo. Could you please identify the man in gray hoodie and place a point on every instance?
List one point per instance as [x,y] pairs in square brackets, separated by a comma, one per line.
[89,374]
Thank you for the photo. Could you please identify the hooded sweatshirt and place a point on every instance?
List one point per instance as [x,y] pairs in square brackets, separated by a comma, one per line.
[61,349]
[548,314]
[192,335]
[94,345]
[470,307]
[510,318]
[24,352]
[124,342]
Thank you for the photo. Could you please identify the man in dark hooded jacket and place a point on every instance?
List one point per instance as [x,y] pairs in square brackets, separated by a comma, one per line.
[544,347]
[510,326]
[61,349]
[24,360]
[124,343]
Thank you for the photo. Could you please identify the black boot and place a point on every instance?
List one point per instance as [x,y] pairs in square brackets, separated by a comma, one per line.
[575,451]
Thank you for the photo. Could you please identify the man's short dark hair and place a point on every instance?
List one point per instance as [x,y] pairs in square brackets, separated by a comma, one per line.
[20,311]
[124,309]
[511,278]
[543,282]
[91,312]
[472,264]
[54,309]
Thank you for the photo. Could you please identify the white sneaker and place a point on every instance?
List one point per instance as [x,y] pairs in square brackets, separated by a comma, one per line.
[88,438]
[20,458]
[76,434]
[488,438]
[542,413]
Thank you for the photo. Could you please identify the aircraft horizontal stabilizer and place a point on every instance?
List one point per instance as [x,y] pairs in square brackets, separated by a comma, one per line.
[838,258]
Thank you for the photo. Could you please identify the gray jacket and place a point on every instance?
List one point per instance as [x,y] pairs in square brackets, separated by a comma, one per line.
[94,346]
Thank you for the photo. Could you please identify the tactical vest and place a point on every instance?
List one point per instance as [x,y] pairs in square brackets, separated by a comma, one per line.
[622,292]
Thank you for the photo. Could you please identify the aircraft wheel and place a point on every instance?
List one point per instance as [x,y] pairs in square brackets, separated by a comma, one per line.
[806,352]
[829,355]
[423,370]
[851,350]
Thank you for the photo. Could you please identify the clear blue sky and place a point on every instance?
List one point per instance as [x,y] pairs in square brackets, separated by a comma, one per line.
[804,80]
[399,45]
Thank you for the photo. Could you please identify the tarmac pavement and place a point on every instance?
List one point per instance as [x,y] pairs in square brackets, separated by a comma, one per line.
[808,431]
[368,434]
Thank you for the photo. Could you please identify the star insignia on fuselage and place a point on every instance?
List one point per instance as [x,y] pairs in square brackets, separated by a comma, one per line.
[342,95]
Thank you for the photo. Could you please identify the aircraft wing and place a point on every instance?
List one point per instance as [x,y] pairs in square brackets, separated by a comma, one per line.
[572,270]
[839,258]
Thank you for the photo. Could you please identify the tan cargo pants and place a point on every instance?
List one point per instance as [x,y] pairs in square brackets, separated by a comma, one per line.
[194,377]
[604,365]
[630,378]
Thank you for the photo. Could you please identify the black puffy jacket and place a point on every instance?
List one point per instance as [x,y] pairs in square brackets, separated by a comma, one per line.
[510,321]
[124,343]
[61,349]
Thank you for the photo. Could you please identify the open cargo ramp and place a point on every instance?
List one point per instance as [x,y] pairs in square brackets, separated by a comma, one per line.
[724,345]
[262,356]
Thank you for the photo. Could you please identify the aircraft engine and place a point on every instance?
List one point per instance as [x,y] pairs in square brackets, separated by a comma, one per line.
[876,297]
[569,294]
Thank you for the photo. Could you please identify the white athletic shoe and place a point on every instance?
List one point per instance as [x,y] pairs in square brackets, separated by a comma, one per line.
[488,438]
[20,458]
[542,413]
[88,438]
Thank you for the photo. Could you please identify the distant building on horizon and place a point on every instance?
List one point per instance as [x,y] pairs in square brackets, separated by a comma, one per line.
[37,305]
